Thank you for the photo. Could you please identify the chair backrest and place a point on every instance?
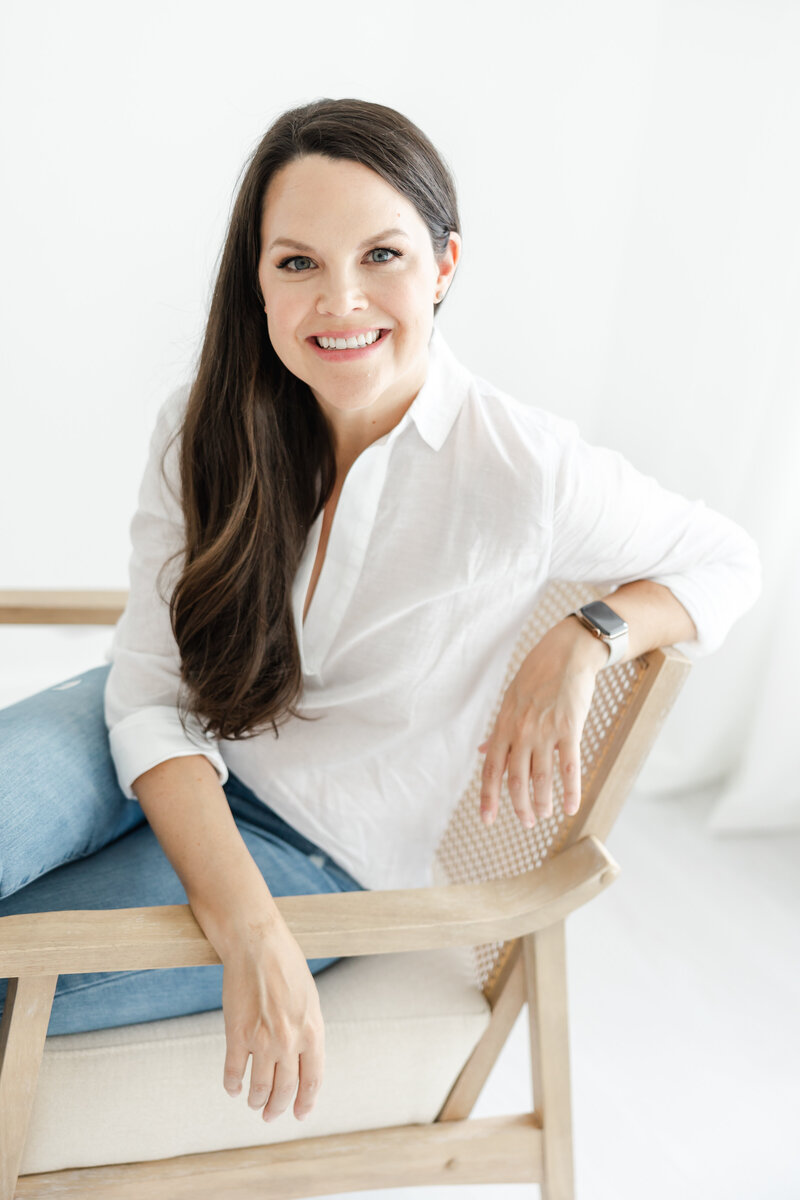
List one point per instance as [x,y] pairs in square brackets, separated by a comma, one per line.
[620,720]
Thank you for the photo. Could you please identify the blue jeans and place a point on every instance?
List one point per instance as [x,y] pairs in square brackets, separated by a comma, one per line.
[69,839]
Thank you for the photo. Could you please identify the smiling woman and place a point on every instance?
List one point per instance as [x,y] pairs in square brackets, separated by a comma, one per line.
[347,285]
[340,533]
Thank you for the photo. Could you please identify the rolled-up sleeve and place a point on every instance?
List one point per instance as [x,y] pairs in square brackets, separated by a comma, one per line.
[613,525]
[141,691]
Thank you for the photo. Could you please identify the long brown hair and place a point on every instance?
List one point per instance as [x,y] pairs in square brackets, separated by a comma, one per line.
[256,456]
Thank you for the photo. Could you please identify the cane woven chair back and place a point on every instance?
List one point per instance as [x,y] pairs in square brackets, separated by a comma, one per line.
[468,852]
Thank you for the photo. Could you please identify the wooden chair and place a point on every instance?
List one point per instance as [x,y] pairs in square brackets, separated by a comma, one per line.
[504,892]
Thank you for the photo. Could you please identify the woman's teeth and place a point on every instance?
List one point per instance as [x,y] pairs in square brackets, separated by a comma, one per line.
[363,339]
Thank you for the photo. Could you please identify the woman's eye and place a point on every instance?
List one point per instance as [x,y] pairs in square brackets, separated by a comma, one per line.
[297,258]
[385,250]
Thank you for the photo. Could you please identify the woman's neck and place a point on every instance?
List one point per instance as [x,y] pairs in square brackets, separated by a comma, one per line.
[354,432]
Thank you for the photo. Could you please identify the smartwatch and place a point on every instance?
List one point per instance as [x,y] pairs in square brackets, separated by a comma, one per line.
[604,623]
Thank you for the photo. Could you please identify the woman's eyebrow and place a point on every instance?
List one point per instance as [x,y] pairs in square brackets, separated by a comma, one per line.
[377,237]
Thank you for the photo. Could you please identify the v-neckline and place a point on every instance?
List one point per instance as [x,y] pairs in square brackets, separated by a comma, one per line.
[317,617]
[320,553]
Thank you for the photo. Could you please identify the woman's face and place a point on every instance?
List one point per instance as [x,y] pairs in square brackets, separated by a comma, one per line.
[342,255]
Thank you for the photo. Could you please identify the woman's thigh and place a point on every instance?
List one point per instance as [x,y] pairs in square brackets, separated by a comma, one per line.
[132,872]
[59,796]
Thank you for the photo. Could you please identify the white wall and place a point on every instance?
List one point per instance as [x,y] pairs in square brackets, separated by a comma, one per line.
[629,189]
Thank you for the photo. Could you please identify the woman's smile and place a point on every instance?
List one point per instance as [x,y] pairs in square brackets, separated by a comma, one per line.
[342,347]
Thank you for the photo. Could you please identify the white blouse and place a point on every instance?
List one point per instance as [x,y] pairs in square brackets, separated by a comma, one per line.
[446,530]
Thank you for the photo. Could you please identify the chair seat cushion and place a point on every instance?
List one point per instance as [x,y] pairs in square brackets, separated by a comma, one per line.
[399,1028]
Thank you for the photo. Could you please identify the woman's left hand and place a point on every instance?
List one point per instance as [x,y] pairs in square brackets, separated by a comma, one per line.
[544,710]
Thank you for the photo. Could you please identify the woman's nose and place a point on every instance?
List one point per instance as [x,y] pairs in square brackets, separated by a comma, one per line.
[340,294]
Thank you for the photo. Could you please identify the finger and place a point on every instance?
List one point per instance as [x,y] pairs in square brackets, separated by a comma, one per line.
[311,1070]
[519,785]
[569,757]
[542,774]
[283,1088]
[262,1075]
[236,1056]
[482,747]
[493,769]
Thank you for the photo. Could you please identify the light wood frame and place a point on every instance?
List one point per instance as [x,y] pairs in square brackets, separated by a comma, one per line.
[526,912]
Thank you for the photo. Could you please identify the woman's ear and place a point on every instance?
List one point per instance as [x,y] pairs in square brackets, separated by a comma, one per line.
[447,265]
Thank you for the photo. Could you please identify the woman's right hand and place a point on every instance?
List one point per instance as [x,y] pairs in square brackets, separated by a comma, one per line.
[271,1010]
[269,998]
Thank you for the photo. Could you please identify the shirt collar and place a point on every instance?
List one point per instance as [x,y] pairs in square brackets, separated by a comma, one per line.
[438,402]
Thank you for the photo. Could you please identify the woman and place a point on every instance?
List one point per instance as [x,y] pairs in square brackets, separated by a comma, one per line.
[340,533]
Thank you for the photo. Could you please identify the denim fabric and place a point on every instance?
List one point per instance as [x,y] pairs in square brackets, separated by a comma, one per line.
[69,839]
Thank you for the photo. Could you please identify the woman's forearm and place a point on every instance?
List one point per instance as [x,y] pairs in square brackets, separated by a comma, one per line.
[654,617]
[189,813]
[547,702]
[270,1002]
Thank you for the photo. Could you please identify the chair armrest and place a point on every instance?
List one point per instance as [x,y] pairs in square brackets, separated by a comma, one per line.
[66,607]
[339,925]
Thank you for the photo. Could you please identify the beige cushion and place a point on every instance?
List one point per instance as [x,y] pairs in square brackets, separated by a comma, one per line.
[399,1027]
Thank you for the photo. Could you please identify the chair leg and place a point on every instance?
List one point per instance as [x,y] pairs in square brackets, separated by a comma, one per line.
[26,1015]
[544,956]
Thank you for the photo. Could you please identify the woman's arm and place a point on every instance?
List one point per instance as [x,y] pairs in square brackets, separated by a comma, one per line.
[269,998]
[614,525]
[548,701]
[684,574]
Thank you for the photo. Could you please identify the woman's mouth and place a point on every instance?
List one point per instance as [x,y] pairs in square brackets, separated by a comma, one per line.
[344,347]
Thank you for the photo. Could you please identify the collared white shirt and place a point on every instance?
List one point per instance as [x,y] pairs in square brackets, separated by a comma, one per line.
[446,530]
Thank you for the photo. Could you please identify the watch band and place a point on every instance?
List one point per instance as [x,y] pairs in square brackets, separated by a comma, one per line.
[606,625]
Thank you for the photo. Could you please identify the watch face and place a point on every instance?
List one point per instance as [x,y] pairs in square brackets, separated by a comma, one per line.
[606,620]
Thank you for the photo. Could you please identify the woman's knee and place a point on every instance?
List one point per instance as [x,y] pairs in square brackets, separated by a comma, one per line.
[59,795]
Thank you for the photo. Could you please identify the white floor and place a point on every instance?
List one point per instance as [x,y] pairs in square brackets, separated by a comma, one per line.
[684,992]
